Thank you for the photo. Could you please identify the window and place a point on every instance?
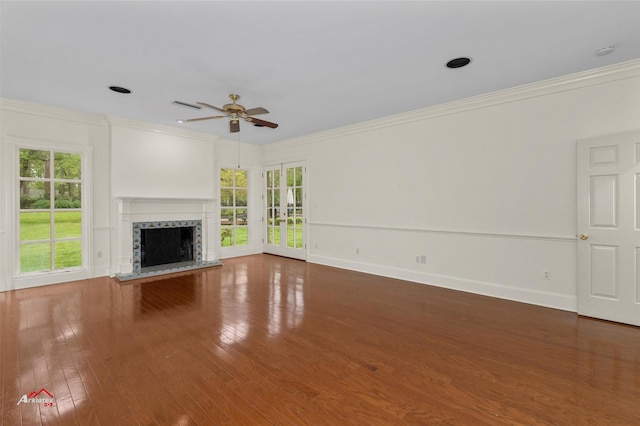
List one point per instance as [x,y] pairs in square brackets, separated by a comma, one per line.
[50,228]
[233,208]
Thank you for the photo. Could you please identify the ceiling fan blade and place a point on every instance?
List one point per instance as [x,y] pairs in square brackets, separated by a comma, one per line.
[234,126]
[205,118]
[261,123]
[256,111]
[211,106]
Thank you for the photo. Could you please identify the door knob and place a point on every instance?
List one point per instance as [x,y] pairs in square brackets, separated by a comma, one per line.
[584,237]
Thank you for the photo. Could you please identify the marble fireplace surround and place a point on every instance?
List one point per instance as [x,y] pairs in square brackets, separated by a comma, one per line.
[130,210]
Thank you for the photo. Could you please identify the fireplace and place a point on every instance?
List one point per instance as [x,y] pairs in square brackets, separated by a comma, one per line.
[162,246]
[132,215]
[166,244]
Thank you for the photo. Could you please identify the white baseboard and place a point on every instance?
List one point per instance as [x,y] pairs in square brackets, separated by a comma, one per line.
[29,281]
[237,251]
[546,299]
[101,271]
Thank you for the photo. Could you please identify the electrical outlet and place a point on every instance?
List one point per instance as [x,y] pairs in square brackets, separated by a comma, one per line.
[99,254]
[357,251]
[417,259]
[546,275]
[423,259]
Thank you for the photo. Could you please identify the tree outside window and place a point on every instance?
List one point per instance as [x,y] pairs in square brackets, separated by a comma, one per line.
[234,230]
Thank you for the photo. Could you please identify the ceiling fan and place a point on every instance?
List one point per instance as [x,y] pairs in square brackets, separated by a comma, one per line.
[235,112]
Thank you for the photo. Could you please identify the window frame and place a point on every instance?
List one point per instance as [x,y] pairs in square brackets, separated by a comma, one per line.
[37,278]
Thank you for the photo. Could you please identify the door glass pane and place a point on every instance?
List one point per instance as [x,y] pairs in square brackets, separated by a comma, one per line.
[241,178]
[276,179]
[67,224]
[35,195]
[67,196]
[298,197]
[226,197]
[226,216]
[269,197]
[290,236]
[226,178]
[276,235]
[241,217]
[226,236]
[299,232]
[242,238]
[35,257]
[66,166]
[34,163]
[68,254]
[298,176]
[35,226]
[241,197]
[290,177]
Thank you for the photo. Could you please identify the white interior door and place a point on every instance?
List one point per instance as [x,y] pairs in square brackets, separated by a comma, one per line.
[608,227]
[285,210]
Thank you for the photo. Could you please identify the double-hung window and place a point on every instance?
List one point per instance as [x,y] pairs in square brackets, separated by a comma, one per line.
[50,210]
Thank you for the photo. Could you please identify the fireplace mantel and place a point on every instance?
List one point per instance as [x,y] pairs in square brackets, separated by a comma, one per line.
[128,210]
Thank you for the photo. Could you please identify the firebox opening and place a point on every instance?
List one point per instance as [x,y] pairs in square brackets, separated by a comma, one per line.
[161,246]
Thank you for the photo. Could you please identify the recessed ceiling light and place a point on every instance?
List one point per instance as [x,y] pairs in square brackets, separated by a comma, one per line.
[605,51]
[458,62]
[119,89]
[181,121]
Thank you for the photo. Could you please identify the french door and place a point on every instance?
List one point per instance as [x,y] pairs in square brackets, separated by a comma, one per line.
[285,210]
[609,228]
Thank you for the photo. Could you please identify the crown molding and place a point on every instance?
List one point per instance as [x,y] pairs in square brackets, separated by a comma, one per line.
[48,111]
[131,123]
[611,73]
[228,143]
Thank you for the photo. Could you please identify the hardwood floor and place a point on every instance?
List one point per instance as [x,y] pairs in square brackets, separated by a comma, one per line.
[269,340]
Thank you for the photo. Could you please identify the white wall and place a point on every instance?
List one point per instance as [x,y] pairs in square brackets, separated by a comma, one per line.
[127,159]
[157,161]
[483,188]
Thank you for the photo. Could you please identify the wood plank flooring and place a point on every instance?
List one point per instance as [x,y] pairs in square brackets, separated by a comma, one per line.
[269,340]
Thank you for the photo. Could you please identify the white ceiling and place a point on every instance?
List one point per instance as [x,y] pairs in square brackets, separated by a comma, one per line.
[314,65]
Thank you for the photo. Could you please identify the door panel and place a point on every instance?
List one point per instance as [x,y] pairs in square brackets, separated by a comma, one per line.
[608,219]
[603,279]
[285,210]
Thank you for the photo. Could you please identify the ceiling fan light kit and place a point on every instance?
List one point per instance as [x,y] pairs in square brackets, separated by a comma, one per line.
[235,112]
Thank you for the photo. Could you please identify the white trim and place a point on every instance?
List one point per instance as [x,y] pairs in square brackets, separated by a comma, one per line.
[127,210]
[624,70]
[159,128]
[55,277]
[48,111]
[540,298]
[563,238]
